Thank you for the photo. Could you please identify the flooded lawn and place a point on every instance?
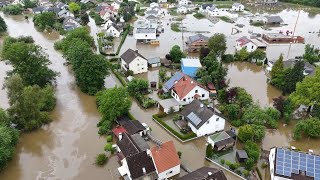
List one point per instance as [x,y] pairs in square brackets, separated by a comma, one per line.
[253,79]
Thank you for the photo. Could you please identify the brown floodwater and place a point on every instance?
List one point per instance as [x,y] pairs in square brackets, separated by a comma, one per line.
[193,26]
[254,80]
[65,149]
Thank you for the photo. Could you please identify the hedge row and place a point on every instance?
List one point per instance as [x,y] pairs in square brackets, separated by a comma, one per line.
[179,135]
[120,78]
[124,36]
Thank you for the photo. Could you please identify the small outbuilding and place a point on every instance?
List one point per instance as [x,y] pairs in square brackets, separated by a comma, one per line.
[167,104]
[222,141]
[190,66]
[154,62]
[242,156]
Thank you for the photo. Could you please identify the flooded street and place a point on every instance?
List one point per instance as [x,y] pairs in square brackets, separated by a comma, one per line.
[254,80]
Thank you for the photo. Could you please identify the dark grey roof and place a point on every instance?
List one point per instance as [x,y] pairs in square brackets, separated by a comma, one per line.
[231,133]
[242,154]
[140,162]
[38,9]
[151,16]
[146,30]
[140,142]
[130,55]
[205,173]
[127,145]
[153,12]
[204,6]
[131,126]
[224,142]
[197,113]
[197,37]
[274,19]
[170,83]
[62,12]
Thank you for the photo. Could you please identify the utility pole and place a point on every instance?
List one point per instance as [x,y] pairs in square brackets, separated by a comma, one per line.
[294,30]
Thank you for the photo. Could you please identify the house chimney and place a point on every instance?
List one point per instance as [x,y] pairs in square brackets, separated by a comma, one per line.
[136,51]
[148,152]
[293,148]
[184,78]
[175,82]
[310,151]
[144,170]
[201,105]
[120,136]
[191,82]
[209,173]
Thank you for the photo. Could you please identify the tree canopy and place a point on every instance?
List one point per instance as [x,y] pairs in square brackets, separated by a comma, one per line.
[44,20]
[176,54]
[217,44]
[309,127]
[251,132]
[137,86]
[112,104]
[27,103]
[3,25]
[29,61]
[74,7]
[307,92]
[311,54]
[12,9]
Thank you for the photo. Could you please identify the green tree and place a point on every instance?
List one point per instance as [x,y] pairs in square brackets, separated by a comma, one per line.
[44,20]
[231,111]
[251,132]
[252,150]
[8,139]
[307,92]
[242,55]
[84,18]
[137,87]
[309,127]
[26,104]
[217,44]
[209,151]
[29,4]
[258,55]
[294,76]
[3,25]
[277,67]
[311,54]
[176,54]
[243,99]
[12,9]
[30,62]
[74,7]
[112,103]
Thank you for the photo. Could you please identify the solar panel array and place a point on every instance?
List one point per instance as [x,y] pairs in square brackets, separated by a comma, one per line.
[288,162]
[194,118]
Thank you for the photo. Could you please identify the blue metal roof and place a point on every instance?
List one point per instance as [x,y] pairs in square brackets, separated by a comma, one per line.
[176,77]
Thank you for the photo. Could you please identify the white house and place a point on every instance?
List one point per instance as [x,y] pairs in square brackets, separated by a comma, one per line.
[108,24]
[162,1]
[213,11]
[237,7]
[183,2]
[145,34]
[116,4]
[246,43]
[205,7]
[186,89]
[286,164]
[154,4]
[182,9]
[166,160]
[113,31]
[201,119]
[134,61]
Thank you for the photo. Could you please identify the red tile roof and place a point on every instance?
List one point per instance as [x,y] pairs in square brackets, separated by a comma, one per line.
[116,131]
[243,40]
[165,156]
[185,85]
[211,86]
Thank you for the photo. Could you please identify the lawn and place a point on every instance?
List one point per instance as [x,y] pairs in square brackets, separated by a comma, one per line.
[199,16]
[175,27]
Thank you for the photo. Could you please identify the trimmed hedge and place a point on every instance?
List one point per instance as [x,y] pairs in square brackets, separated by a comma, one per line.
[180,136]
[122,81]
[124,36]
[131,116]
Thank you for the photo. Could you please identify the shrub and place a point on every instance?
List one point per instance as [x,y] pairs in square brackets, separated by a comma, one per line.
[199,16]
[259,63]
[101,159]
[249,164]
[264,165]
[109,138]
[227,58]
[228,163]
[209,151]
[245,173]
[222,161]
[238,171]
[236,123]
[12,9]
[232,166]
[179,154]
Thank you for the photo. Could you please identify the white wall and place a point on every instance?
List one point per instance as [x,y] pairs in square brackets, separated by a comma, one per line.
[138,65]
[146,36]
[209,140]
[238,8]
[175,108]
[250,47]
[210,127]
[271,165]
[190,96]
[113,32]
[123,65]
[167,174]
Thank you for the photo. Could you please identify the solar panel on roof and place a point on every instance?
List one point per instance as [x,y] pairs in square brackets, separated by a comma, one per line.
[288,162]
[194,118]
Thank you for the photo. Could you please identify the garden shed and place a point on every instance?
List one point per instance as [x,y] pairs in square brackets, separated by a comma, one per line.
[242,156]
